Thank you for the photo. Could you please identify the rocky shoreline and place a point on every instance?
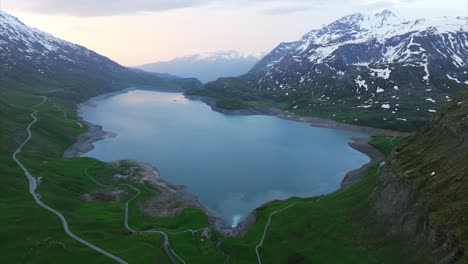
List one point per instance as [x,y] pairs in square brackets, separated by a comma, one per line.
[84,142]
[96,133]
[170,196]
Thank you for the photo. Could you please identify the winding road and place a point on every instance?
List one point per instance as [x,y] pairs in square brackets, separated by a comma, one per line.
[33,187]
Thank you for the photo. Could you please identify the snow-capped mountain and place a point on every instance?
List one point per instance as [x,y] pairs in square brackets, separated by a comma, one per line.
[371,61]
[207,66]
[30,57]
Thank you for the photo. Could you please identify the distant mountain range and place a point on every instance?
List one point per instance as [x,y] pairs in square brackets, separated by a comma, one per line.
[34,60]
[207,66]
[386,69]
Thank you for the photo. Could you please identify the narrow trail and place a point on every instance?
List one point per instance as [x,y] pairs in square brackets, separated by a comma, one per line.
[79,124]
[265,230]
[61,110]
[383,163]
[33,187]
[65,117]
[226,256]
[391,142]
[167,246]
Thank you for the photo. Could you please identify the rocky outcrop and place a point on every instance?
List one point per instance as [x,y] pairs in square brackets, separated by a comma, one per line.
[401,206]
[245,225]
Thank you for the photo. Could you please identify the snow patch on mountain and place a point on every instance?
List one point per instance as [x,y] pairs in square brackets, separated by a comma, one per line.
[30,40]
[319,45]
[382,73]
[222,55]
[207,66]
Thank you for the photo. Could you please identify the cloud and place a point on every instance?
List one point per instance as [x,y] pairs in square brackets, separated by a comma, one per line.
[123,7]
[101,7]
[285,10]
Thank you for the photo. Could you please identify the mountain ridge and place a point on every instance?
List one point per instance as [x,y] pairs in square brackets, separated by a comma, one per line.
[389,72]
[31,59]
[206,66]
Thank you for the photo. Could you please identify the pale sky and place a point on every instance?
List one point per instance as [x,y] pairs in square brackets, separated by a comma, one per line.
[134,32]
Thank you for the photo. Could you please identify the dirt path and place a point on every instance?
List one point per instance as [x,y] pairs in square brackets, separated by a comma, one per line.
[266,230]
[33,187]
[65,117]
[167,245]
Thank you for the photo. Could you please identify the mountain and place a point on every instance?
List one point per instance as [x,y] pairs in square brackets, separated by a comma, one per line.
[423,187]
[34,60]
[387,71]
[208,66]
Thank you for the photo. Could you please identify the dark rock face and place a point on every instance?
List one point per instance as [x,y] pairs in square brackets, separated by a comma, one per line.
[424,186]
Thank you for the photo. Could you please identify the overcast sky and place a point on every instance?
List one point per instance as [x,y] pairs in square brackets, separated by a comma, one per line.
[134,32]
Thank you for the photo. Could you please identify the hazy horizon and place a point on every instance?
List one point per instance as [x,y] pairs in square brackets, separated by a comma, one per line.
[147,31]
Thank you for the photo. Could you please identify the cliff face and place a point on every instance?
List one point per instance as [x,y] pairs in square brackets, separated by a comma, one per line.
[423,189]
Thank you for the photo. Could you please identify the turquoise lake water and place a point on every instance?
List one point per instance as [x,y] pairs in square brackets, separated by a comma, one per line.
[232,163]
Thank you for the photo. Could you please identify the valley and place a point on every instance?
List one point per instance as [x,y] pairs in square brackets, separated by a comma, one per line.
[269,167]
[109,215]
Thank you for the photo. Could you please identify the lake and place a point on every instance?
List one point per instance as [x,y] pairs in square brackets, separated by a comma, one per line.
[233,163]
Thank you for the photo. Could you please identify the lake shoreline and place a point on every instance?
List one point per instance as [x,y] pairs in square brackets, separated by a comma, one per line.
[313,121]
[84,144]
[362,145]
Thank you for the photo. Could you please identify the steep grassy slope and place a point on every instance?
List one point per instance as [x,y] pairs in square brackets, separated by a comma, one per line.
[424,189]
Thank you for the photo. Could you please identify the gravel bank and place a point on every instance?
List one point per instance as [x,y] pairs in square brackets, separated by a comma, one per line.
[362,145]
